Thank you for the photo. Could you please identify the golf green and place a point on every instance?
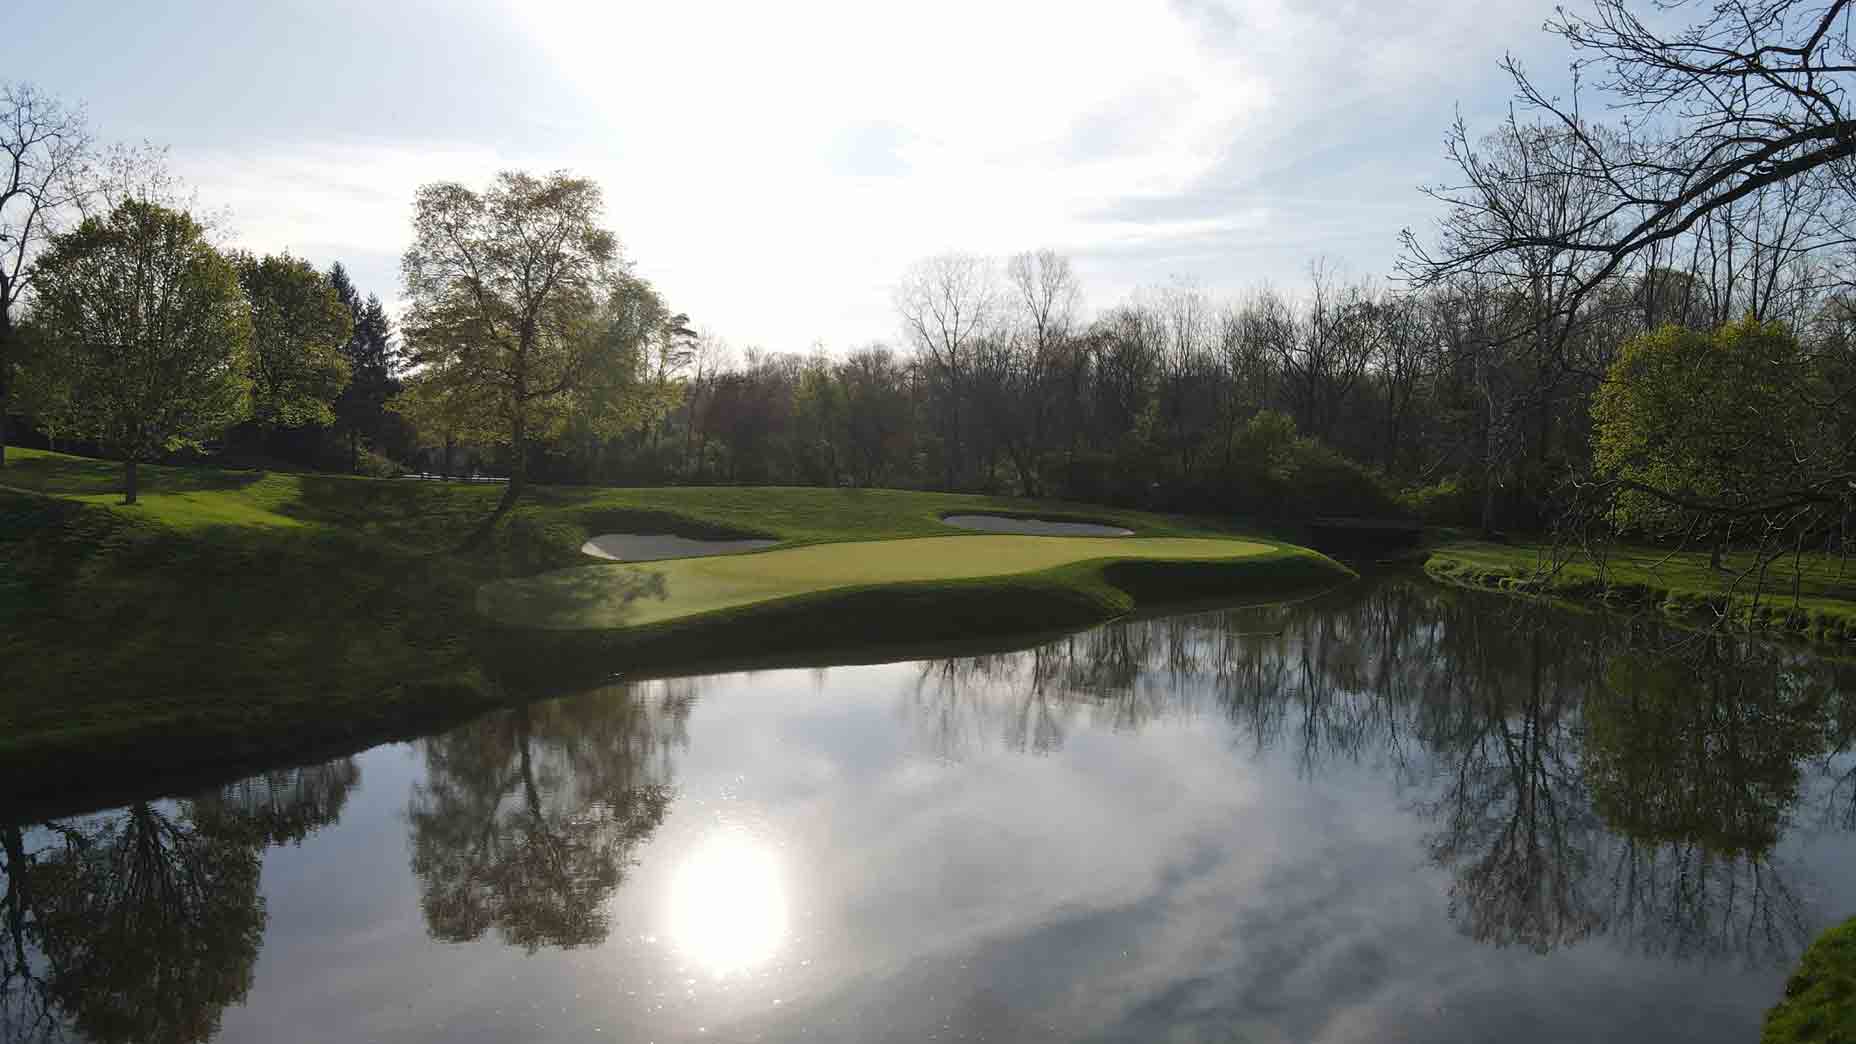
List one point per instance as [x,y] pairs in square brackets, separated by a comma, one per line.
[627,595]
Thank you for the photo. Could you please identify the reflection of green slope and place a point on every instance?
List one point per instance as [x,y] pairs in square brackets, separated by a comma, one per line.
[615,596]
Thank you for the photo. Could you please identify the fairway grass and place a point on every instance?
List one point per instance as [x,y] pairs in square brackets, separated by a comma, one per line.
[233,618]
[627,596]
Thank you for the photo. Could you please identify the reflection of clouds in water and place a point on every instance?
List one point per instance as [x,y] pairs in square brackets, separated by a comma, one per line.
[1479,726]
[1355,830]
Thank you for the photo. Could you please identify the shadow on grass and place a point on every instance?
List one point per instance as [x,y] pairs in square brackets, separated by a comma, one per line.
[83,476]
[607,595]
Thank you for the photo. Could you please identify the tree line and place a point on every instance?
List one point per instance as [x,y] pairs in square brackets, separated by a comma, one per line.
[1645,326]
[127,326]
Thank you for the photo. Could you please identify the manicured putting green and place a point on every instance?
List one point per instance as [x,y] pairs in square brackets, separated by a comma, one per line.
[605,596]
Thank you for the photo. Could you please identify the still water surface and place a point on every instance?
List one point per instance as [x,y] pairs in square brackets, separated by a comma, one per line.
[1413,814]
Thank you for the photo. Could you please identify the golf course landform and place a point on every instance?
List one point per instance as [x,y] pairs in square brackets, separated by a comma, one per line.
[607,597]
[235,617]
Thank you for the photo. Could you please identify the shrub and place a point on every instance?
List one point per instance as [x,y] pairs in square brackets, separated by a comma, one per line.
[1447,502]
[373,465]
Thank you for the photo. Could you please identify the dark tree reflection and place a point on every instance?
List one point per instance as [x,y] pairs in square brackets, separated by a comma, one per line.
[528,817]
[144,923]
[282,806]
[1704,748]
[1583,776]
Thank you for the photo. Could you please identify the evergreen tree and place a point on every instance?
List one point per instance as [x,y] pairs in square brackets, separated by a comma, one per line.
[361,408]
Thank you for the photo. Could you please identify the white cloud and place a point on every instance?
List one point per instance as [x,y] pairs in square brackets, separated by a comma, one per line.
[775,167]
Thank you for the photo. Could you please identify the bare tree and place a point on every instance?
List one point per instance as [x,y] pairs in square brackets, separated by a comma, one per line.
[1047,305]
[46,145]
[1323,354]
[947,304]
[1752,94]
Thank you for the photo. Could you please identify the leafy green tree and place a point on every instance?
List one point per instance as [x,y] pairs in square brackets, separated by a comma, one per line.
[1691,423]
[629,380]
[42,386]
[507,287]
[298,327]
[150,320]
[445,412]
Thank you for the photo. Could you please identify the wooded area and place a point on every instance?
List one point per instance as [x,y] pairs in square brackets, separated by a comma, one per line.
[1642,323]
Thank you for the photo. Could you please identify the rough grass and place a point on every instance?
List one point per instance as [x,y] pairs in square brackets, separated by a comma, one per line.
[1812,598]
[1820,996]
[234,616]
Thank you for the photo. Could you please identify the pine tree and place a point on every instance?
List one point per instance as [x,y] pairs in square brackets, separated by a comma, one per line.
[371,359]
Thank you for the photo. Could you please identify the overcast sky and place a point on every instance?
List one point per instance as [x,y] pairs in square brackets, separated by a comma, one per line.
[773,167]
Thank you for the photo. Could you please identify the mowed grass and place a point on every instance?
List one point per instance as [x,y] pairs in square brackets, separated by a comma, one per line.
[1811,596]
[238,616]
[618,595]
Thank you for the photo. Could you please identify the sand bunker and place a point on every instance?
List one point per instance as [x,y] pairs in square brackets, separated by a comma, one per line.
[651,547]
[1032,526]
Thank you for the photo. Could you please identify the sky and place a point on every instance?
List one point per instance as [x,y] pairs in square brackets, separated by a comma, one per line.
[774,168]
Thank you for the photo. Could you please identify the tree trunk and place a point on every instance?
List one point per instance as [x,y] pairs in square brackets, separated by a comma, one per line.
[130,480]
[444,467]
[518,480]
[6,356]
[354,452]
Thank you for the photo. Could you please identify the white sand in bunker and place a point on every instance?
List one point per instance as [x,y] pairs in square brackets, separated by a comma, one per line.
[653,547]
[1032,526]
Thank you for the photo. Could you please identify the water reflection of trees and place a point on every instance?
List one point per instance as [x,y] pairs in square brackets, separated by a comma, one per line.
[527,818]
[143,923]
[1580,777]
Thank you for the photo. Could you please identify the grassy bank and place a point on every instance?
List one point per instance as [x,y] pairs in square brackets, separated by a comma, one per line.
[1820,995]
[1814,601]
[241,615]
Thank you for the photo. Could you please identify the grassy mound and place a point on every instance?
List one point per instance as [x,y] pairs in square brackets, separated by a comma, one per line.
[244,615]
[1820,996]
[1817,601]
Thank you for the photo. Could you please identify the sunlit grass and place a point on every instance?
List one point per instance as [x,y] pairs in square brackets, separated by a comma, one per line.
[596,596]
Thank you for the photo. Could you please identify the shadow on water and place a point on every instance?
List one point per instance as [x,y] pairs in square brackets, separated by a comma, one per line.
[1575,777]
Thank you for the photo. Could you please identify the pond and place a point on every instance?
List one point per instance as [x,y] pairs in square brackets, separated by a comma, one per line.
[1396,812]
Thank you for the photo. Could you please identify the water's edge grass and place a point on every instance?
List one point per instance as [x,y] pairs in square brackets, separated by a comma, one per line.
[1815,603]
[1820,995]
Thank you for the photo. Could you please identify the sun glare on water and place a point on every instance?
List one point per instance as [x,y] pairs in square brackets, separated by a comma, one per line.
[728,905]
